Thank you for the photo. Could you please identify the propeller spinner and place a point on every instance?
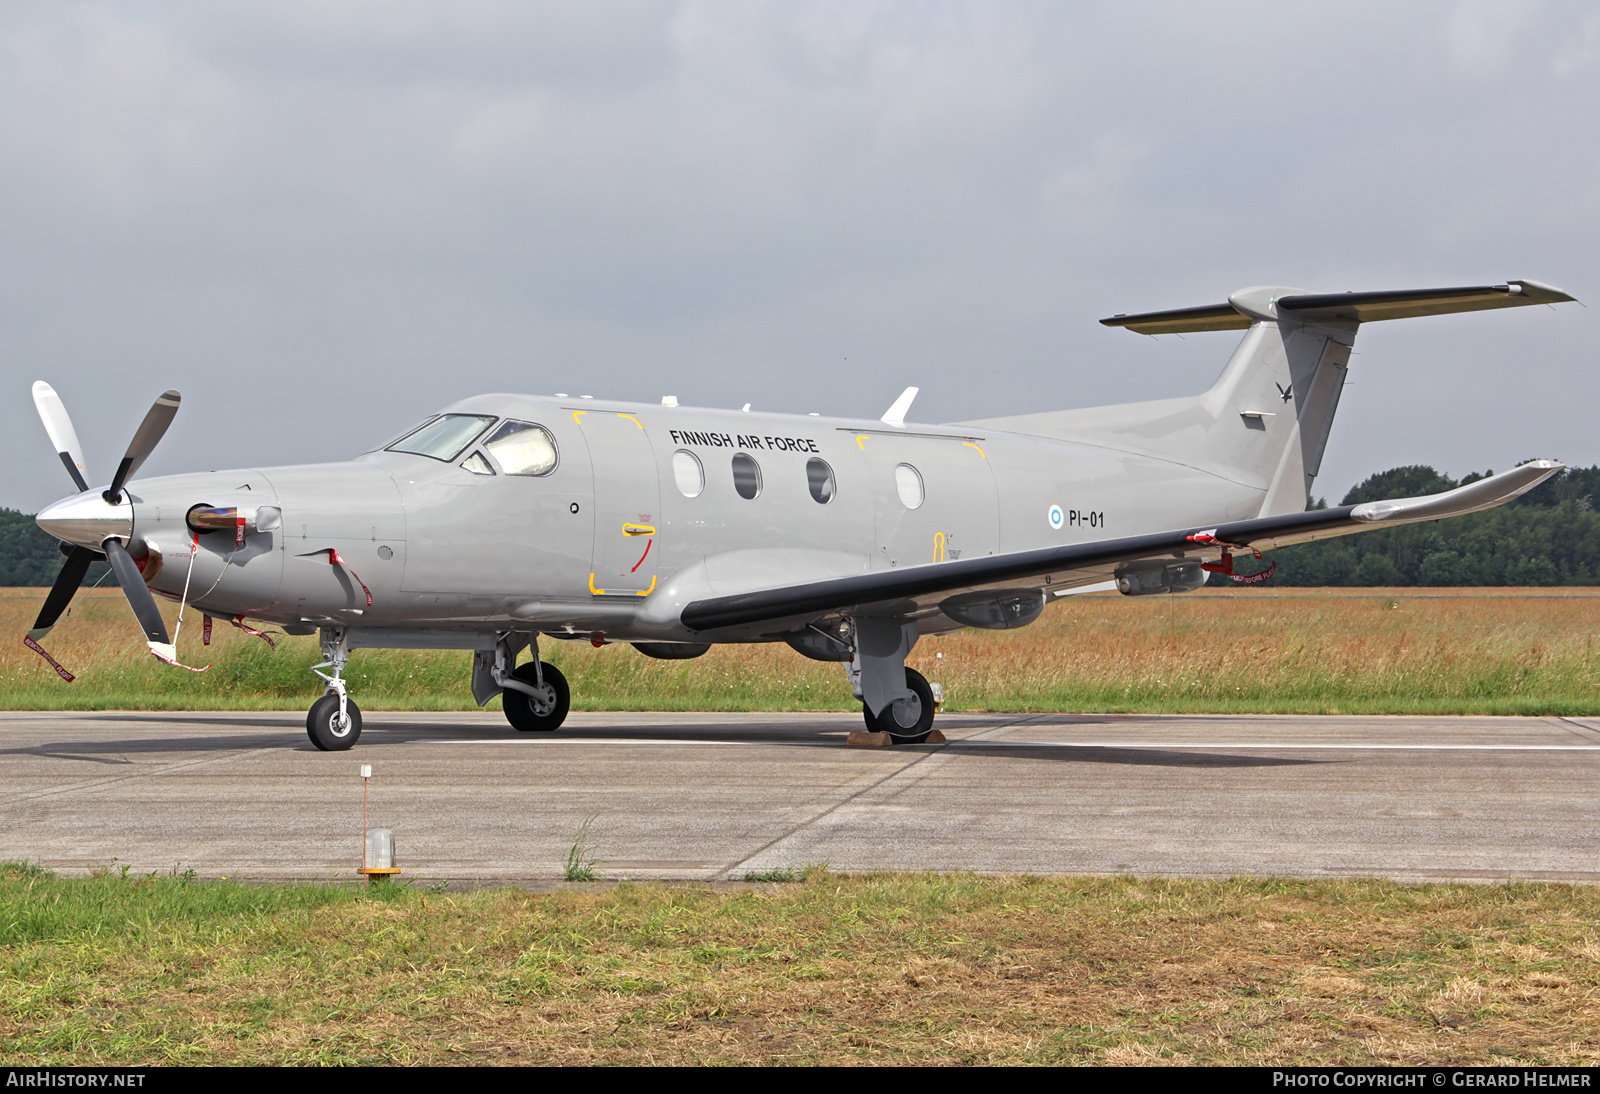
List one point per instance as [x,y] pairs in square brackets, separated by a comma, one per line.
[99,526]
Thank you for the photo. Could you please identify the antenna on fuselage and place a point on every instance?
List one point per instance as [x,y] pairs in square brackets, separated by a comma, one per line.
[896,414]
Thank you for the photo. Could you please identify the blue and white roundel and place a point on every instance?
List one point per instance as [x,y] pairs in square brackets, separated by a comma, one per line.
[1056,517]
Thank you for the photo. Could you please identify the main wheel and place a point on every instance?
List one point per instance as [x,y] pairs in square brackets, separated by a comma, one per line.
[544,711]
[327,730]
[907,721]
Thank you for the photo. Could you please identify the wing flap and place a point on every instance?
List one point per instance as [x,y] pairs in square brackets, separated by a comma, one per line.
[905,590]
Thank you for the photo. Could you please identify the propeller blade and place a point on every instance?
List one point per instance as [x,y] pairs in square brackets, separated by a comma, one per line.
[57,423]
[138,594]
[151,430]
[61,593]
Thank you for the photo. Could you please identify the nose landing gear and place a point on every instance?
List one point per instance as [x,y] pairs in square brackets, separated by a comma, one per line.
[334,721]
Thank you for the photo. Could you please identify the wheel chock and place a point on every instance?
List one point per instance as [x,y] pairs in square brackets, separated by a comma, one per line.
[862,739]
[936,738]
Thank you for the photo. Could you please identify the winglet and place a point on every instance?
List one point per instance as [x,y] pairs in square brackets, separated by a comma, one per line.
[896,414]
[1483,494]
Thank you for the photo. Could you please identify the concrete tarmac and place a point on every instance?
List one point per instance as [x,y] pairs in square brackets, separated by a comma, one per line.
[717,796]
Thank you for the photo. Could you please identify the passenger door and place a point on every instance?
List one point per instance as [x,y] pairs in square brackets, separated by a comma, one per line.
[627,503]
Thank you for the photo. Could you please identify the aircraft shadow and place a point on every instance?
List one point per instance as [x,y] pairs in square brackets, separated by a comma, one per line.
[809,737]
[272,719]
[1133,757]
[287,732]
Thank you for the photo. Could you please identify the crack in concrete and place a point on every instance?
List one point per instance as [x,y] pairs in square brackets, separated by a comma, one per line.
[903,769]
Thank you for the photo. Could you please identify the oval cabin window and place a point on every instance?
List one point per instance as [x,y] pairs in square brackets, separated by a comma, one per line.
[908,483]
[746,477]
[687,473]
[819,479]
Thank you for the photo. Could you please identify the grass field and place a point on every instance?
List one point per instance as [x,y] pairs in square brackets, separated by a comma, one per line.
[872,969]
[1436,651]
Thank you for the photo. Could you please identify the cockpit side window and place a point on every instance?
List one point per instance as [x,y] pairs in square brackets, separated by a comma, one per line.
[522,448]
[444,437]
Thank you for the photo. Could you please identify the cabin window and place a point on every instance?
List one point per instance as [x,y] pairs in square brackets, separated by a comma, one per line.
[477,464]
[746,476]
[522,448]
[688,473]
[444,437]
[908,484]
[819,479]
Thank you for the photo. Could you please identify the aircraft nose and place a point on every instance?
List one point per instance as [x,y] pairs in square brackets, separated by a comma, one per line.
[87,520]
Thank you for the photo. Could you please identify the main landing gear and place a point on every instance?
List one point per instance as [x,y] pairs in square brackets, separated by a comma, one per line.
[534,696]
[907,721]
[334,721]
[543,706]
[894,699]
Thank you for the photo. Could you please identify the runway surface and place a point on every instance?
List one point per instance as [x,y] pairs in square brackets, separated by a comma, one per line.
[717,796]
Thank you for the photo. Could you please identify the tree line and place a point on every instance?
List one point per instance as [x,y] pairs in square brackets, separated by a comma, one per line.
[1548,536]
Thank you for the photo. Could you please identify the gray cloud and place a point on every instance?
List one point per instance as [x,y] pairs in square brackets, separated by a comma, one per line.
[321,220]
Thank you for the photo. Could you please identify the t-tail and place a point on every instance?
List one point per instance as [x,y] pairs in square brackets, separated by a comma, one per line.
[1265,422]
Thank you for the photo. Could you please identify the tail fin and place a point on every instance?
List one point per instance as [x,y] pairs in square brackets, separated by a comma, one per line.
[1265,422]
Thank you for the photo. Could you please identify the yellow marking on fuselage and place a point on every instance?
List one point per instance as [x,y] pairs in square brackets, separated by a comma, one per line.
[651,589]
[938,546]
[577,416]
[592,589]
[980,451]
[632,419]
[861,441]
[638,530]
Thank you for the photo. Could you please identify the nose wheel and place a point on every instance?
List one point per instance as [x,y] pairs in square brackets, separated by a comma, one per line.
[330,729]
[334,721]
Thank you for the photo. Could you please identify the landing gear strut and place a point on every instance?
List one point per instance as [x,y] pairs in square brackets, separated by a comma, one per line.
[334,721]
[901,697]
[544,707]
[534,696]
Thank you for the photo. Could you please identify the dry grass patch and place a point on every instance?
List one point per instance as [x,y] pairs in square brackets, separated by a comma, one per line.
[1436,651]
[875,969]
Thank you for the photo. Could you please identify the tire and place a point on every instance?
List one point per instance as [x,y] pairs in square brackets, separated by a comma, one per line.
[322,727]
[529,715]
[906,721]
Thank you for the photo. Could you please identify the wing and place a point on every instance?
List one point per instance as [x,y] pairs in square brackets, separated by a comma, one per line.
[917,588]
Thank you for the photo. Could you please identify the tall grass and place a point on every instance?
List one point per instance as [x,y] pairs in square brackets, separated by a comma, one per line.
[37,906]
[1336,651]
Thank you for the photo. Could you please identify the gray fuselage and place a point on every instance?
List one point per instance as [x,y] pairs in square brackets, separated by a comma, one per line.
[609,542]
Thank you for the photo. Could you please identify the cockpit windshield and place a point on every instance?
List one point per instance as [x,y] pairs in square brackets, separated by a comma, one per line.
[444,437]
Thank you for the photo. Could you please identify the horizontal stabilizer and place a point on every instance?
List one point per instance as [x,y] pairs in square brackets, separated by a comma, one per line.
[1352,307]
[1183,320]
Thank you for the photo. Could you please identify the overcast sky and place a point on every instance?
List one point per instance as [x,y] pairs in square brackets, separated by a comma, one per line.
[322,220]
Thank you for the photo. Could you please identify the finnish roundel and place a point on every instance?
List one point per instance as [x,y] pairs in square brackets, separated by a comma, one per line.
[1056,516]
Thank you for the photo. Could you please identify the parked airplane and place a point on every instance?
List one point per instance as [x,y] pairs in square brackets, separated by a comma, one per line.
[505,519]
